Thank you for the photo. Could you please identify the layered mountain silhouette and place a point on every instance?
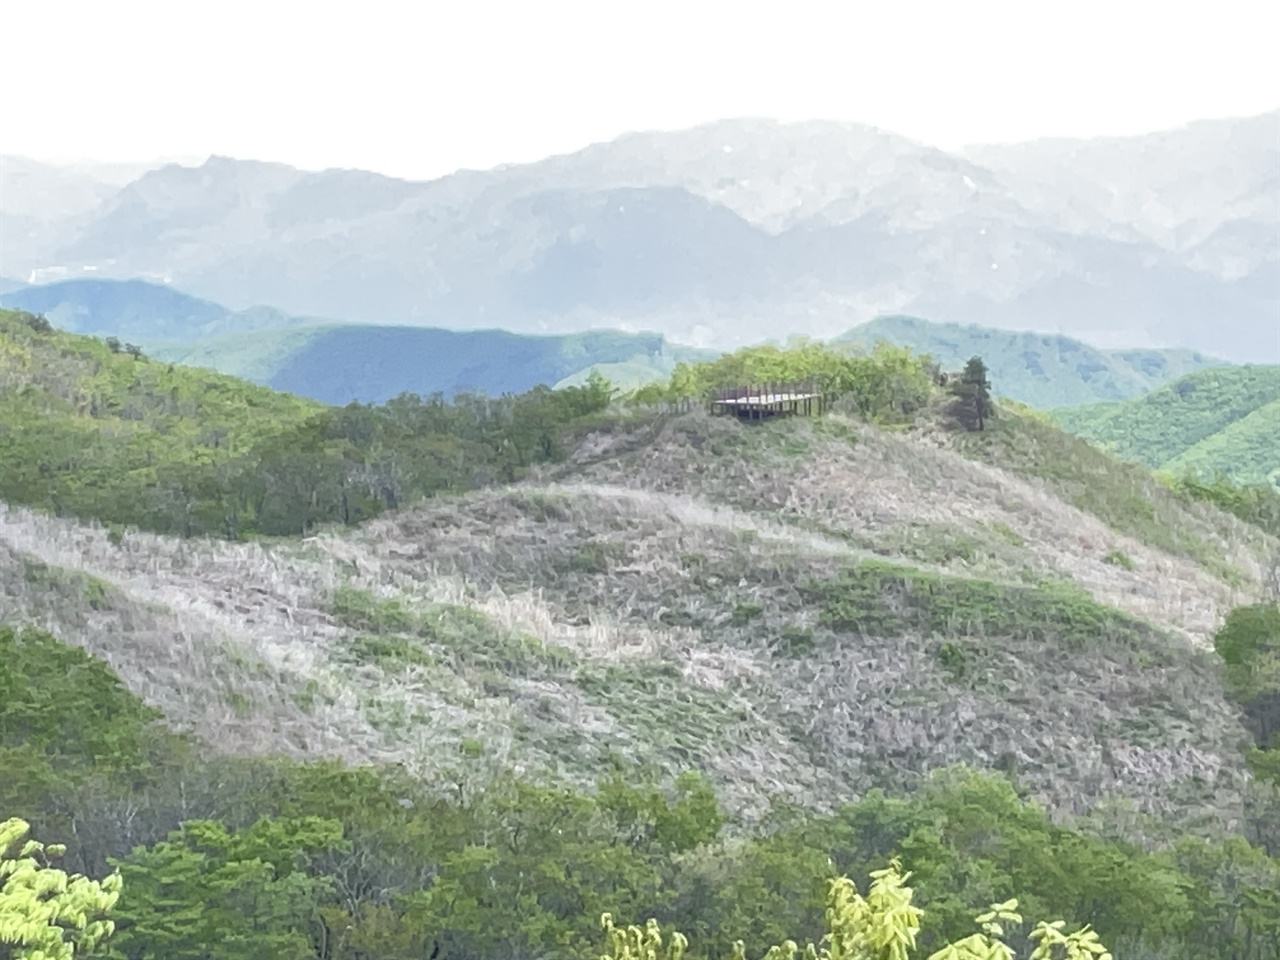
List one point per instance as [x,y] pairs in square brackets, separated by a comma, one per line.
[335,362]
[726,234]
[339,362]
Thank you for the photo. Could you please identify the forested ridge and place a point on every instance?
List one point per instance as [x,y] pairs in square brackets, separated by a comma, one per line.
[93,431]
[266,855]
[1224,420]
[98,433]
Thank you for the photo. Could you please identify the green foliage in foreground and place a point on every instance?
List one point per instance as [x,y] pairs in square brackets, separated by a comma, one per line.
[66,722]
[44,913]
[250,892]
[1221,420]
[258,859]
[884,924]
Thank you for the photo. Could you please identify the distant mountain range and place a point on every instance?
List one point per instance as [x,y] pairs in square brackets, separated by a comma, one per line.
[1041,370]
[721,235]
[336,362]
[1224,419]
[339,363]
[137,310]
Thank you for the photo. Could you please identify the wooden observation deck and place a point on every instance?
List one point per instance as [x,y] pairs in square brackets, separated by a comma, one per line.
[764,400]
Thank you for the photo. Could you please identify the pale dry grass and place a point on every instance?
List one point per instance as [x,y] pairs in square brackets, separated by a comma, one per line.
[881,716]
[218,636]
[889,481]
[654,574]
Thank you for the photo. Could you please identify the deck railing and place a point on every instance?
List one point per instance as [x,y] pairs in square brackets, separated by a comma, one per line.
[785,389]
[760,400]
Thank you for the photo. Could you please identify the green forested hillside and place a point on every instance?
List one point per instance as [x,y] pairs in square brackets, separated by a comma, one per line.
[255,356]
[1224,420]
[373,364]
[542,658]
[1040,370]
[91,432]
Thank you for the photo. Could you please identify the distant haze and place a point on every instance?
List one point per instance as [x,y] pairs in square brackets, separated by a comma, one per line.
[890,158]
[419,90]
[717,235]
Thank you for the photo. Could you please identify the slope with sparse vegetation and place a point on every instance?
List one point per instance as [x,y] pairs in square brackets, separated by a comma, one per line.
[728,568]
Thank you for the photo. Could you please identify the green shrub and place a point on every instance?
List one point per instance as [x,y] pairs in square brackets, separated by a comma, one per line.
[883,599]
[1118,558]
[793,642]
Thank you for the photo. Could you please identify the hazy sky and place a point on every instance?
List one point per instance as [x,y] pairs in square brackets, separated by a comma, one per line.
[421,89]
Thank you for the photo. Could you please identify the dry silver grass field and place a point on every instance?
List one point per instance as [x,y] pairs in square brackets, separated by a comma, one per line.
[655,599]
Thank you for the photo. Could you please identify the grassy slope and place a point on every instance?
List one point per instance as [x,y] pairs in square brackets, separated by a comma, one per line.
[1126,497]
[708,595]
[1224,419]
[1042,370]
[107,424]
